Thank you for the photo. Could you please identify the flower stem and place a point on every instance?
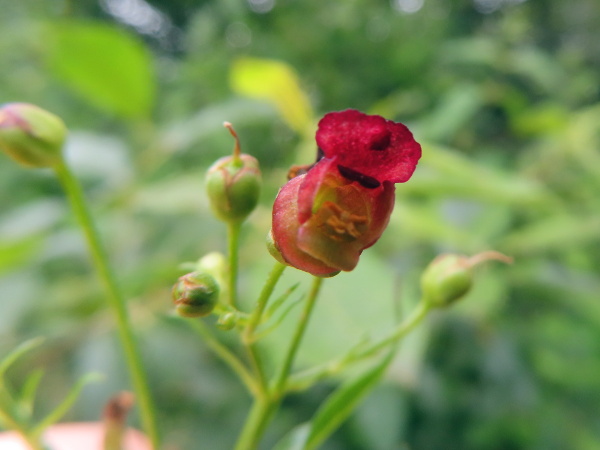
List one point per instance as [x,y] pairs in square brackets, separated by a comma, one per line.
[115,301]
[233,242]
[263,409]
[306,379]
[405,327]
[9,421]
[284,371]
[226,355]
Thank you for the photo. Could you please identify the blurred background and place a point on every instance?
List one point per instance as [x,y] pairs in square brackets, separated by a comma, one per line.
[504,95]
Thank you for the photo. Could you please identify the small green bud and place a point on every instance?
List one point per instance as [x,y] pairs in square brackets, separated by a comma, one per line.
[449,277]
[214,264]
[227,321]
[30,135]
[233,184]
[195,294]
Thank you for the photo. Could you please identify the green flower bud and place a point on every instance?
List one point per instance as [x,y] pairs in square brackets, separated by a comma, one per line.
[214,264]
[30,135]
[227,321]
[233,184]
[449,277]
[195,294]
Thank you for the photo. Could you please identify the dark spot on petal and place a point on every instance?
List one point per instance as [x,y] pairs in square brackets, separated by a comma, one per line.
[364,180]
[381,143]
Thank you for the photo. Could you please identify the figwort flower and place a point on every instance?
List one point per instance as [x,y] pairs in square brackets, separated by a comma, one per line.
[325,218]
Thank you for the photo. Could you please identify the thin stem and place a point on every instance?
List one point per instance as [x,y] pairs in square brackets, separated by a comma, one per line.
[286,366]
[226,356]
[263,299]
[233,242]
[264,408]
[248,337]
[405,327]
[304,380]
[115,301]
[15,424]
[255,424]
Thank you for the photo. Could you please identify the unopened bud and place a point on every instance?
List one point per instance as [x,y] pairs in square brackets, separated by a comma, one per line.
[30,135]
[195,294]
[227,321]
[449,277]
[233,184]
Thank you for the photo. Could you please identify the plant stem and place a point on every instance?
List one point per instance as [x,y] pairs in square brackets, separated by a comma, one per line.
[285,368]
[304,380]
[115,301]
[15,424]
[248,337]
[233,242]
[405,327]
[264,408]
[226,356]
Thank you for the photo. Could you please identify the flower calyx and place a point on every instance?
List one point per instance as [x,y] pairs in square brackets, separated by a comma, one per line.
[449,277]
[31,135]
[233,184]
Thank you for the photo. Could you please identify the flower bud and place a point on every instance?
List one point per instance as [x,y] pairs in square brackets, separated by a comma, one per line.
[195,294]
[227,321]
[30,135]
[449,277]
[233,184]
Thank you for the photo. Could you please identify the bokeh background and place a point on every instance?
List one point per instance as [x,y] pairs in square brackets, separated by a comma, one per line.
[504,95]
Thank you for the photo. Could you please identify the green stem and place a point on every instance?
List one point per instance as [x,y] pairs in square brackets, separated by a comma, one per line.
[405,327]
[233,242]
[263,409]
[115,300]
[284,371]
[226,355]
[15,424]
[304,380]
[248,337]
[255,425]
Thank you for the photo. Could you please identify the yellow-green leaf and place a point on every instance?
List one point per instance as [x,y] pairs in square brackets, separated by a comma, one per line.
[277,83]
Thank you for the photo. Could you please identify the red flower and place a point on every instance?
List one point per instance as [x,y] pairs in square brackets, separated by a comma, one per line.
[324,219]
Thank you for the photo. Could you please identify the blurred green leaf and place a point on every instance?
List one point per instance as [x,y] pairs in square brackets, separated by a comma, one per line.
[295,439]
[277,83]
[343,401]
[109,67]
[15,253]
[30,388]
[18,352]
[57,413]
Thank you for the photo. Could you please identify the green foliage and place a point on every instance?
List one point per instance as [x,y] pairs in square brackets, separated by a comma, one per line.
[504,97]
[110,68]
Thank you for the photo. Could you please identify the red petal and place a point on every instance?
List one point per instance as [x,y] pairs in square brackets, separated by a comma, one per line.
[285,231]
[371,145]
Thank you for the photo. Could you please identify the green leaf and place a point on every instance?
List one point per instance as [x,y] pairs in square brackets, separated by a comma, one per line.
[277,83]
[343,401]
[57,413]
[15,253]
[30,388]
[295,439]
[13,356]
[274,306]
[107,66]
